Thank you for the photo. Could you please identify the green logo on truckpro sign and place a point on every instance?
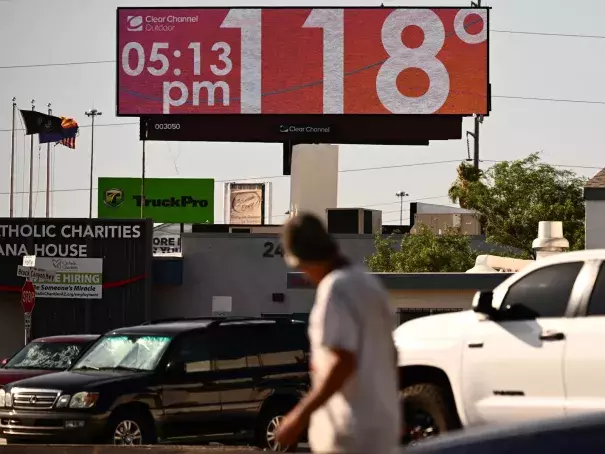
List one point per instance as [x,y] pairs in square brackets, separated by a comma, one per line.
[113,198]
[166,199]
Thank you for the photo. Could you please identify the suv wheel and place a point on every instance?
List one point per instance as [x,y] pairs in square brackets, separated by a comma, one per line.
[268,423]
[427,412]
[129,429]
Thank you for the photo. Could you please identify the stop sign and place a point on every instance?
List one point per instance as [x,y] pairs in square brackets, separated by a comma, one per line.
[28,296]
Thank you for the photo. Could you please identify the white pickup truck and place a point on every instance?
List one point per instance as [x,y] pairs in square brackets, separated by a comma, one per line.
[533,348]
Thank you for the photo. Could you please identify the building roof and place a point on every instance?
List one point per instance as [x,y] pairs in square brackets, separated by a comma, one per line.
[598,181]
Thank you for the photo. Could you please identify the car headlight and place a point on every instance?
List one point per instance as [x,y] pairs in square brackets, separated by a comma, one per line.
[2,398]
[63,401]
[83,400]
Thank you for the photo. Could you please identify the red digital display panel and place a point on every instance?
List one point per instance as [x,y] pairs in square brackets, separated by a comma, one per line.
[302,61]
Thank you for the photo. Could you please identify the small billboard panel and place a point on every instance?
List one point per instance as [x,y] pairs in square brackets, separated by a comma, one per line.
[246,203]
[302,61]
[175,200]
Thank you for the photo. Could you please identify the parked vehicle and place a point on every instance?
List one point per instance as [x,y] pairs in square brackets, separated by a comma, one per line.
[168,381]
[583,434]
[528,350]
[44,356]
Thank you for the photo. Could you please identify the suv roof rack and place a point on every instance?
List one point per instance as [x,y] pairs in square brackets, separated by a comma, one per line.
[217,320]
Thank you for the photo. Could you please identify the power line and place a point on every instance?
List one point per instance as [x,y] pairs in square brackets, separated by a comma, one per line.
[562,35]
[363,169]
[510,32]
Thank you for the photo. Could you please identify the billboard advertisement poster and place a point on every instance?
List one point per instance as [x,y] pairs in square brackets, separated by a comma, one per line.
[73,278]
[302,61]
[246,203]
[176,200]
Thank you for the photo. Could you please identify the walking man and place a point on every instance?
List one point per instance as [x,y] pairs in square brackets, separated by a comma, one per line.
[353,405]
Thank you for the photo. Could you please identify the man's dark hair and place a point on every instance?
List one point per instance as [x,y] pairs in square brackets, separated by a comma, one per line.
[306,239]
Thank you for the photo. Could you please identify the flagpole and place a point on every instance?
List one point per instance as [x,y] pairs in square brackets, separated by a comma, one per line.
[50,112]
[31,169]
[12,175]
[92,113]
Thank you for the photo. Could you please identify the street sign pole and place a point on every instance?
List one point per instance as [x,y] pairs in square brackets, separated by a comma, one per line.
[28,301]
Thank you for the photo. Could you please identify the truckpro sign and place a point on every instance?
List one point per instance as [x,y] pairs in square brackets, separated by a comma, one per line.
[164,199]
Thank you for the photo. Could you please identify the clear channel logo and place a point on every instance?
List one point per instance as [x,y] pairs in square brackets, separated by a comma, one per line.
[304,129]
[157,23]
[134,23]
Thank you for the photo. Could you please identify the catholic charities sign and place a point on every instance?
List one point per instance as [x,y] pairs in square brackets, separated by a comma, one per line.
[73,278]
[59,240]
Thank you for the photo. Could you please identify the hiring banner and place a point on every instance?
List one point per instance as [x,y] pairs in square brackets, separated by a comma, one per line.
[69,278]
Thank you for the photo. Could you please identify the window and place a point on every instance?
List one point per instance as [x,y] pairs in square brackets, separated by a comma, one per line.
[48,356]
[596,305]
[407,314]
[283,343]
[235,347]
[193,350]
[545,292]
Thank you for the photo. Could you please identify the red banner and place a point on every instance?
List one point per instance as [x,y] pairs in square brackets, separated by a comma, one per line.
[302,61]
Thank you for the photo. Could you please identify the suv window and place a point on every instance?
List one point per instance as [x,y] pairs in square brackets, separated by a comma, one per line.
[596,305]
[193,350]
[545,291]
[235,347]
[283,343]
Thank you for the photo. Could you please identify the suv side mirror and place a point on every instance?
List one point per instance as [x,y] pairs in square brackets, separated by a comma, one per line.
[482,303]
[175,368]
[3,362]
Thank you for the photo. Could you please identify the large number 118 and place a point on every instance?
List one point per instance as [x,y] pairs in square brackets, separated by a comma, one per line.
[400,57]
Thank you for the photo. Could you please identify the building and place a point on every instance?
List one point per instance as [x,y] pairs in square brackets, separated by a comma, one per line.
[594,197]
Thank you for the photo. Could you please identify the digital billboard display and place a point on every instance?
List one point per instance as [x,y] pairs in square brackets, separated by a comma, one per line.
[302,61]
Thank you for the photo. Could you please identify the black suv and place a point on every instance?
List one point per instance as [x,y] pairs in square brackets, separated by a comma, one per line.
[168,381]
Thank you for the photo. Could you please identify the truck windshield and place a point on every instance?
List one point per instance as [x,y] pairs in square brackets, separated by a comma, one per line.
[135,353]
[46,356]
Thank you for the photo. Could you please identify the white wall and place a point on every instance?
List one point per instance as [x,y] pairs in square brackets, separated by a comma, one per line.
[595,224]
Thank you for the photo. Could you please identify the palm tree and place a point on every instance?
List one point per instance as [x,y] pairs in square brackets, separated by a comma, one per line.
[458,192]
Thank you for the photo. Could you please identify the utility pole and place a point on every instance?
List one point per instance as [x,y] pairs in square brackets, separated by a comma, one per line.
[401,195]
[478,118]
[93,113]
[50,112]
[31,169]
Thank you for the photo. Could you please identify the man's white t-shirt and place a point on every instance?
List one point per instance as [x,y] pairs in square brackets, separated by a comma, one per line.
[352,313]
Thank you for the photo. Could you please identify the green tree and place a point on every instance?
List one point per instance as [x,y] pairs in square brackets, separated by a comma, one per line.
[423,252]
[513,197]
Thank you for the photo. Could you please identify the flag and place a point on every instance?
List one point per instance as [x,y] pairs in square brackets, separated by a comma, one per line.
[66,136]
[37,123]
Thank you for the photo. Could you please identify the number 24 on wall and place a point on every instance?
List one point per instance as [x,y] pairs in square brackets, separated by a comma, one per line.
[271,250]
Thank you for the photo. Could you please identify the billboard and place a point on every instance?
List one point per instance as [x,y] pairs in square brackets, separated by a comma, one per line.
[246,203]
[302,61]
[176,200]
[334,129]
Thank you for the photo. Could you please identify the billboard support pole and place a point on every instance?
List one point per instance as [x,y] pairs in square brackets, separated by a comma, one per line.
[143,159]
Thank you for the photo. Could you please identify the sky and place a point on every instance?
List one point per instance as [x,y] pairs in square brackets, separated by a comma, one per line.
[50,33]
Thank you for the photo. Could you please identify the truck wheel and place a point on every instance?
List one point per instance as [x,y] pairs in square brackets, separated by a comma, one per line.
[427,412]
[130,428]
[268,422]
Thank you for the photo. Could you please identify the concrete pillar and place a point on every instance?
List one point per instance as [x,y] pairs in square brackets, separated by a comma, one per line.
[314,179]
